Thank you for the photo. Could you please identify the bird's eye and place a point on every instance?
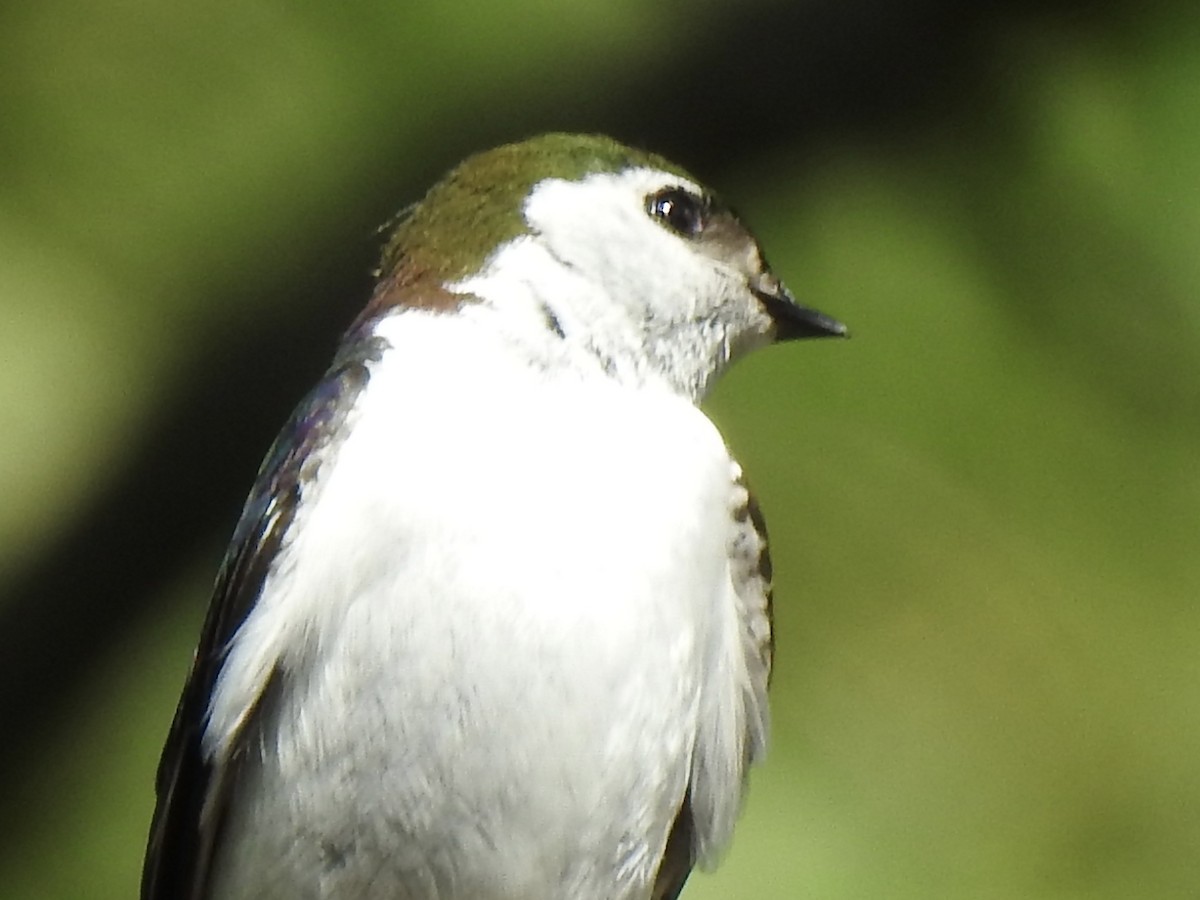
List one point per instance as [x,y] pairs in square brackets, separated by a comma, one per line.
[680,210]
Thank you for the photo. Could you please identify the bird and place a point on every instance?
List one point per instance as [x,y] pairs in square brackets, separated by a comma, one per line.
[495,622]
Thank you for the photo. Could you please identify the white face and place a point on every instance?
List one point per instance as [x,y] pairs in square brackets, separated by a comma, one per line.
[687,289]
[639,269]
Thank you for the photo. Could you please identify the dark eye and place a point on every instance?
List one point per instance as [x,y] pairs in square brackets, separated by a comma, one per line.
[681,211]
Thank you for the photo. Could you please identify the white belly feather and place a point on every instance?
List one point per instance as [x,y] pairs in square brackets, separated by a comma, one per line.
[504,621]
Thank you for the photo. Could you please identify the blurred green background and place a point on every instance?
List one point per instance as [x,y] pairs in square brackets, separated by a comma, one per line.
[984,506]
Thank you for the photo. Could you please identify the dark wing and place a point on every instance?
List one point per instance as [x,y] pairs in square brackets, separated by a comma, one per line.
[191,796]
[678,858]
[750,567]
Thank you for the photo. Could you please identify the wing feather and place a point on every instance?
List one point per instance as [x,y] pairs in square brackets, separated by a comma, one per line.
[191,794]
[751,573]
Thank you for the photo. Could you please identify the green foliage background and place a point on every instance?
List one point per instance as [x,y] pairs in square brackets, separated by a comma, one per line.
[984,506]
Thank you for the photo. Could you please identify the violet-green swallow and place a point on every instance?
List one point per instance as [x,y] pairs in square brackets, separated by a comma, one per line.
[495,623]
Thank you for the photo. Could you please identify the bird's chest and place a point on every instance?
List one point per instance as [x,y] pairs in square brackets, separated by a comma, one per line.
[512,604]
[562,550]
[558,505]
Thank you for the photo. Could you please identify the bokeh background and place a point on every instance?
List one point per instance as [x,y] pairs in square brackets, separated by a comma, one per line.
[984,507]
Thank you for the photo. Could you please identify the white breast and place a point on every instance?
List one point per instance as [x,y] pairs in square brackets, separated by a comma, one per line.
[502,615]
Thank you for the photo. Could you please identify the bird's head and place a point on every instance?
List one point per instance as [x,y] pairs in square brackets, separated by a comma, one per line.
[601,250]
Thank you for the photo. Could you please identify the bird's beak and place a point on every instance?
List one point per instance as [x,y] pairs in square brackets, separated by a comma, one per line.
[793,321]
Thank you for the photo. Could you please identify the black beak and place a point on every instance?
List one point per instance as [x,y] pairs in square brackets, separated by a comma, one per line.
[793,321]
